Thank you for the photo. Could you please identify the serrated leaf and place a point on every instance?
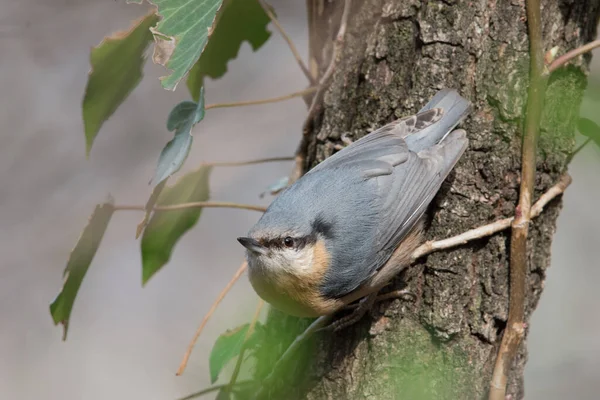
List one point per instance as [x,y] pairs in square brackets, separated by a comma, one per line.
[229,345]
[181,35]
[181,119]
[238,21]
[589,129]
[165,228]
[79,261]
[116,70]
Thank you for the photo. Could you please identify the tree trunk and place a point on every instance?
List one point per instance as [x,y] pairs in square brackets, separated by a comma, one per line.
[396,55]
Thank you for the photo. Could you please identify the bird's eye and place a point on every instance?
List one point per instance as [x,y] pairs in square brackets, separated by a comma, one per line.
[288,241]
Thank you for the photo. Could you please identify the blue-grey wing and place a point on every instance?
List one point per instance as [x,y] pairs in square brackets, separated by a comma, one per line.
[399,182]
[408,191]
[391,203]
[386,144]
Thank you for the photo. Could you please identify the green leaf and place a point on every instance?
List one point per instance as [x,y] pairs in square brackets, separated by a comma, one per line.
[238,21]
[78,264]
[181,35]
[223,395]
[165,228]
[589,129]
[116,70]
[181,120]
[229,345]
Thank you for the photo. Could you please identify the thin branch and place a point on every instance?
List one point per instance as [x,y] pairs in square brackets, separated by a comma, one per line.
[213,389]
[318,98]
[515,327]
[262,101]
[494,227]
[565,58]
[214,306]
[249,162]
[238,364]
[286,37]
[426,248]
[196,204]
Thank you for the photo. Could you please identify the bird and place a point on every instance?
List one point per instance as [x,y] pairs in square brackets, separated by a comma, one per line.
[342,231]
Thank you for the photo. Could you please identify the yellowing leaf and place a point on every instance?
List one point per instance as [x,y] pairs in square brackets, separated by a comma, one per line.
[78,264]
[116,70]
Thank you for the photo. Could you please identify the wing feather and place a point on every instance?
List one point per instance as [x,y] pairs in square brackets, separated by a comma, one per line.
[399,179]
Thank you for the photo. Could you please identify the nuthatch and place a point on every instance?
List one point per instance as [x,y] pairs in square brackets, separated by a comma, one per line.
[349,225]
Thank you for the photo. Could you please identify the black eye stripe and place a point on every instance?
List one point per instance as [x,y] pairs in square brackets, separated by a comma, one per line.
[298,242]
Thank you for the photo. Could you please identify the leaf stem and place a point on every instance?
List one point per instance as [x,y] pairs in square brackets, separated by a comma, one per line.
[196,204]
[565,58]
[238,364]
[262,101]
[289,42]
[209,314]
[577,150]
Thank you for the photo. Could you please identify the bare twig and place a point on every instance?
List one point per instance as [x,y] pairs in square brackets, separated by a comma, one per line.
[515,327]
[494,227]
[263,101]
[318,98]
[238,364]
[427,248]
[196,204]
[214,306]
[213,389]
[565,58]
[249,162]
[286,37]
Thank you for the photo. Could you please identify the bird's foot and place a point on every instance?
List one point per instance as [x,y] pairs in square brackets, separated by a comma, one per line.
[364,305]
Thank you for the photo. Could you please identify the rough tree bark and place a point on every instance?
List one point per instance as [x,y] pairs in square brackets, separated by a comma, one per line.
[396,54]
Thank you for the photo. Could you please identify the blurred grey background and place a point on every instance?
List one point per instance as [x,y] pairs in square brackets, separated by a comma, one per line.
[125,341]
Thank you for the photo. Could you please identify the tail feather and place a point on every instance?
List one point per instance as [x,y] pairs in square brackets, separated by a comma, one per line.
[455,109]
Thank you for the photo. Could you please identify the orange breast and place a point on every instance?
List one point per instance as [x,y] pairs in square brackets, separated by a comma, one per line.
[297,293]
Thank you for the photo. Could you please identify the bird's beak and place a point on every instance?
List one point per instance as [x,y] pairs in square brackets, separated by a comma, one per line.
[252,245]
